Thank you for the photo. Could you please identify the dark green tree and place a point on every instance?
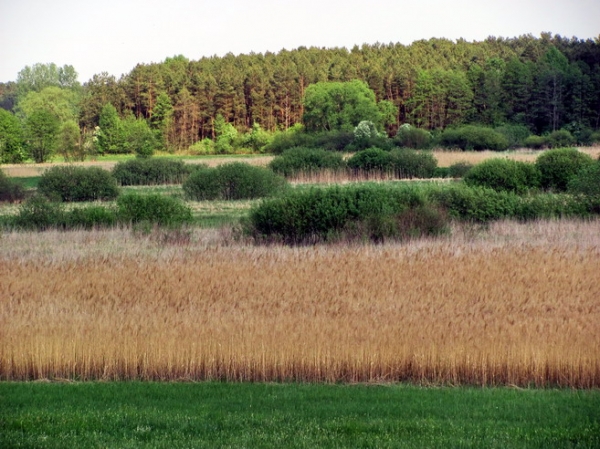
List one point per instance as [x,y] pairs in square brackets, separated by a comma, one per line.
[12,140]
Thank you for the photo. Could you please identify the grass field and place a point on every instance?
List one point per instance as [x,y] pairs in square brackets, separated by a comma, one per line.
[225,415]
[509,305]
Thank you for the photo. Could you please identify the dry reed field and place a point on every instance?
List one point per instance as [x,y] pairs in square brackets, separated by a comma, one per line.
[515,304]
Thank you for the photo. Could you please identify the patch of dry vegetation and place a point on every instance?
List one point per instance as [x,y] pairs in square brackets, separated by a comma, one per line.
[513,304]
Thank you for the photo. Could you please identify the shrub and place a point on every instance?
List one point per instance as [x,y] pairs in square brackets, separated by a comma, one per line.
[559,166]
[203,147]
[10,190]
[154,208]
[536,142]
[473,137]
[150,172]
[411,137]
[586,181]
[39,213]
[504,175]
[89,217]
[371,159]
[595,138]
[363,212]
[516,135]
[234,181]
[306,160]
[459,169]
[71,183]
[408,163]
[555,205]
[560,139]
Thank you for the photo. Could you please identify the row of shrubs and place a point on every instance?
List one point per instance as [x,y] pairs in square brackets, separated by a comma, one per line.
[560,170]
[383,212]
[39,213]
[466,138]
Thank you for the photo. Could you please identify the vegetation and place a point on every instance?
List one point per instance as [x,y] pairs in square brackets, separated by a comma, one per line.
[232,181]
[10,190]
[152,209]
[115,305]
[586,181]
[504,175]
[474,138]
[151,171]
[559,166]
[208,415]
[301,160]
[74,183]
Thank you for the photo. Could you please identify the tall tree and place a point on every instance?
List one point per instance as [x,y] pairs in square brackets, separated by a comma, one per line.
[42,128]
[12,140]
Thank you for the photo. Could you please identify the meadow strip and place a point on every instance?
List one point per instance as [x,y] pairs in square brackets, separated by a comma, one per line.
[478,308]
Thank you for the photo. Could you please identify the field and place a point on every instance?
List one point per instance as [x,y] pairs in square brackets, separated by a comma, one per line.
[512,304]
[225,415]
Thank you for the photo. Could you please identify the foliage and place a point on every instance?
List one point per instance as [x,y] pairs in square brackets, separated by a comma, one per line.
[504,175]
[73,183]
[407,163]
[39,213]
[39,76]
[70,144]
[411,137]
[232,181]
[155,209]
[110,136]
[139,138]
[560,139]
[41,131]
[536,142]
[559,166]
[339,106]
[10,190]
[62,103]
[516,135]
[12,140]
[473,137]
[459,169]
[306,160]
[586,181]
[257,139]
[154,171]
[371,159]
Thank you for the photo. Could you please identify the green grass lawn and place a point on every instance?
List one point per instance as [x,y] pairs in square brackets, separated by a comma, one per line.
[186,415]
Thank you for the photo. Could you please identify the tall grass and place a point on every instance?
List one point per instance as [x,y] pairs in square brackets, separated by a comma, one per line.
[495,307]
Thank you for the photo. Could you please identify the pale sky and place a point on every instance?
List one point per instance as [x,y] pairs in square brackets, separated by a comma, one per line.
[114,35]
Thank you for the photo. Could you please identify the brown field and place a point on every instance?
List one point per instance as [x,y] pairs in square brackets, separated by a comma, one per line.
[515,304]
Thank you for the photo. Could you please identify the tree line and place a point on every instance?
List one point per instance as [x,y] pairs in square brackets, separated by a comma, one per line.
[545,83]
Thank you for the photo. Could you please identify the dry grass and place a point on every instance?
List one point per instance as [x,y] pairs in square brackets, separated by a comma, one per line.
[513,304]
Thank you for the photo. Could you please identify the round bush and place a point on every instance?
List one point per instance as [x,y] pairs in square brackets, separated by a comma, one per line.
[155,208]
[587,181]
[560,139]
[536,142]
[473,137]
[558,167]
[514,134]
[306,160]
[408,163]
[411,137]
[153,171]
[371,159]
[234,181]
[459,169]
[71,183]
[504,175]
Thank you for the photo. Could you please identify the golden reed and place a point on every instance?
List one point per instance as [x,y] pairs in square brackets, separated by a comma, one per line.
[493,307]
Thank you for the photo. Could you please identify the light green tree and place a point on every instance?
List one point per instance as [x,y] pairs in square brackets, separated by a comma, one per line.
[42,128]
[12,141]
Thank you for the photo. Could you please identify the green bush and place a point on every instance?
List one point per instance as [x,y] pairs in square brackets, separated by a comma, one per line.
[504,175]
[586,181]
[560,139]
[154,208]
[371,159]
[408,163]
[411,137]
[153,171]
[551,205]
[536,142]
[473,137]
[39,213]
[89,217]
[296,137]
[559,166]
[514,134]
[10,190]
[306,160]
[72,183]
[459,169]
[234,181]
[360,212]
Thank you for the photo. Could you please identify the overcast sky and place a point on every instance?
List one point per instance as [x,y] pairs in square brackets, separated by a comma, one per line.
[114,35]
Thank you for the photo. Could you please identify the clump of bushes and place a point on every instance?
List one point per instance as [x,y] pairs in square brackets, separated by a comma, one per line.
[234,181]
[410,137]
[401,162]
[153,208]
[306,160]
[152,171]
[365,212]
[471,137]
[559,166]
[296,137]
[586,181]
[10,190]
[459,169]
[516,135]
[504,175]
[72,183]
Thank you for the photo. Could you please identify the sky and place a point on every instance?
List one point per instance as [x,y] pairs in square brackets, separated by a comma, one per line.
[115,35]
